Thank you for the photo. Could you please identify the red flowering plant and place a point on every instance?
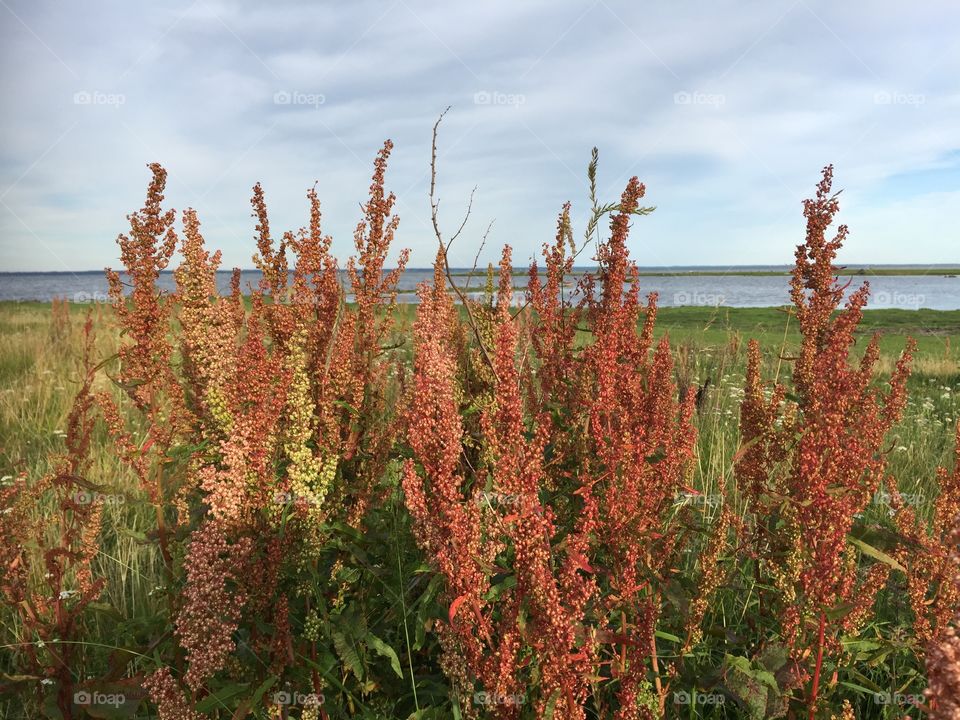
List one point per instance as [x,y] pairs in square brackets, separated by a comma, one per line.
[260,440]
[49,542]
[290,451]
[553,522]
[943,648]
[812,460]
[929,551]
[926,551]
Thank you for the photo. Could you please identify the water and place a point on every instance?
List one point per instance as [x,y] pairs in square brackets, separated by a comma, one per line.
[908,292]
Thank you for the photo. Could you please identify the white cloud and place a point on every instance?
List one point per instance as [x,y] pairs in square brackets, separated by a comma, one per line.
[770,92]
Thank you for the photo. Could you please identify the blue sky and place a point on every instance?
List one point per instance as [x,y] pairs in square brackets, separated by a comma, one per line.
[726,110]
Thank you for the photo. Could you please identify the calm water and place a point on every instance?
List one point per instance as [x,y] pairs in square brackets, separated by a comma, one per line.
[888,291]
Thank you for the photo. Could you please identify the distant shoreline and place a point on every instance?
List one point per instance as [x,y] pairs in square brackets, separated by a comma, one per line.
[850,270]
[907,286]
[721,272]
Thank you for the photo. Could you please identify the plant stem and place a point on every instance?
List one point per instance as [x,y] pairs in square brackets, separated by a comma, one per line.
[656,673]
[816,672]
[406,631]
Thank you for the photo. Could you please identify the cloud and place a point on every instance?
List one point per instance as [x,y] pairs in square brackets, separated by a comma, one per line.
[726,110]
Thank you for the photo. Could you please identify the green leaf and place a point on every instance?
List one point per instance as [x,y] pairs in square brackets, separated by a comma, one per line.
[871,551]
[497,590]
[746,667]
[858,645]
[348,654]
[348,575]
[219,698]
[754,688]
[879,657]
[384,650]
[774,657]
[347,406]
[857,688]
[261,691]
[866,682]
[841,610]
[667,636]
[551,705]
[140,537]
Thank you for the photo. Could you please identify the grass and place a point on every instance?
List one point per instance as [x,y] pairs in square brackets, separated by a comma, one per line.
[937,332]
[38,369]
[38,375]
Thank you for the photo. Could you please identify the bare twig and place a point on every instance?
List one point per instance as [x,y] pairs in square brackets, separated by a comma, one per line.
[520,310]
[466,216]
[476,258]
[444,246]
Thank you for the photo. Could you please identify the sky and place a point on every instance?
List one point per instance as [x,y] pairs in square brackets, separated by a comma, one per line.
[727,111]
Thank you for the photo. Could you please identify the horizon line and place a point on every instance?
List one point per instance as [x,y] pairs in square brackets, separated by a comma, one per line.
[839,266]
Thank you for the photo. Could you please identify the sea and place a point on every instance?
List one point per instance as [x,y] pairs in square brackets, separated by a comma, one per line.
[938,288]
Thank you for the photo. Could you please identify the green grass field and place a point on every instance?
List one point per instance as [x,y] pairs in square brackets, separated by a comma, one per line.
[38,374]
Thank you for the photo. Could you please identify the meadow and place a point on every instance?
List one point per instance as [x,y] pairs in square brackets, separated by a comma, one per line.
[288,505]
[39,373]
